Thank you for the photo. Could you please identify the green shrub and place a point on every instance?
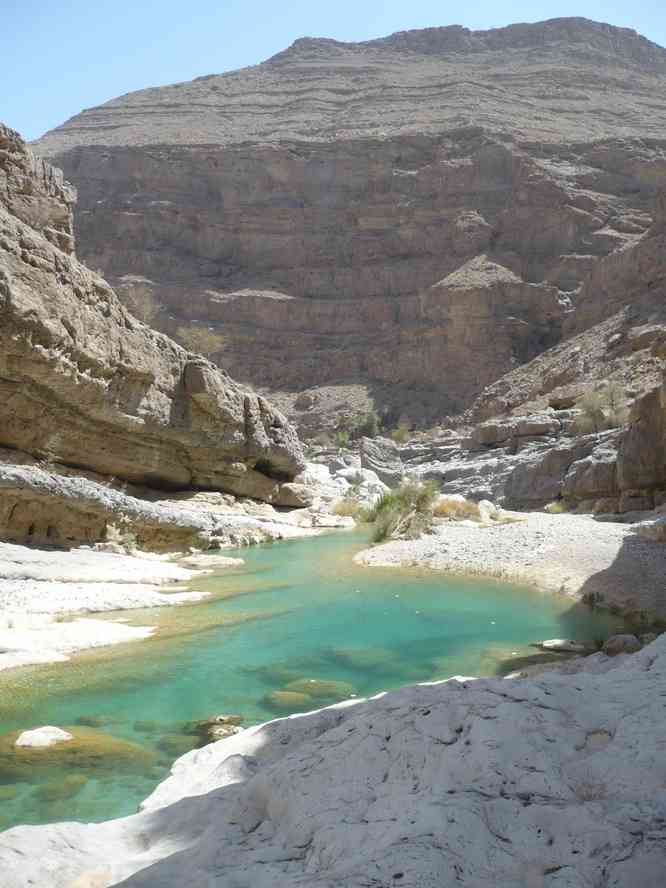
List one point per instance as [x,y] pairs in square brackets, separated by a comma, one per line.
[341,438]
[602,409]
[363,425]
[401,433]
[407,510]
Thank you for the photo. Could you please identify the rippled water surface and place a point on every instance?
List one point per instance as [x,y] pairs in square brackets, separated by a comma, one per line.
[297,627]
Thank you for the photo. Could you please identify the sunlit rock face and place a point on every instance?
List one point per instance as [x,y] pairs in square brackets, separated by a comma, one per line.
[85,384]
[415,214]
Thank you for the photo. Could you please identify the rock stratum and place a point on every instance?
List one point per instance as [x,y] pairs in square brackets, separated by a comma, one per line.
[84,384]
[416,215]
[554,781]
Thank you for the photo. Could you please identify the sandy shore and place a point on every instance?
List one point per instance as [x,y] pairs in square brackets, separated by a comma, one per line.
[41,590]
[571,554]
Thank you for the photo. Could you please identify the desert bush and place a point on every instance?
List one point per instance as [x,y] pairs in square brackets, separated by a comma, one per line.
[407,511]
[121,535]
[141,303]
[201,340]
[456,509]
[601,409]
[341,438]
[363,425]
[558,507]
[400,434]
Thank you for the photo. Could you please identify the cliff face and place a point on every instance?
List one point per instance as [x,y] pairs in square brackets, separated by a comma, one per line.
[333,208]
[84,383]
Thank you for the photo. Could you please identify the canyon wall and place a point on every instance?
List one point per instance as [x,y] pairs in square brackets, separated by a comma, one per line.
[416,215]
[85,384]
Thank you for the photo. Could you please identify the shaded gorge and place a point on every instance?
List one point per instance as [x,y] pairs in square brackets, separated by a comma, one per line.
[299,626]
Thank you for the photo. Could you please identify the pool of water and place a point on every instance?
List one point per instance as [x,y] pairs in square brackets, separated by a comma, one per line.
[298,627]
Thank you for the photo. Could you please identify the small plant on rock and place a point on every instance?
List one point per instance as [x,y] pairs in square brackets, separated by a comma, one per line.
[341,438]
[401,433]
[201,340]
[121,535]
[602,409]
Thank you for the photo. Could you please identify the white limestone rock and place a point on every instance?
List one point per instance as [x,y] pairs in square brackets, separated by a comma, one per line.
[43,737]
[562,645]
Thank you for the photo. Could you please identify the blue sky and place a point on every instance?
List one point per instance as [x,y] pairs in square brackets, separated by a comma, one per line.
[60,56]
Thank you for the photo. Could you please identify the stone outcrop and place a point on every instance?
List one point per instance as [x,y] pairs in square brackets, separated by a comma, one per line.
[48,508]
[416,215]
[523,462]
[84,383]
[641,465]
[382,456]
[504,782]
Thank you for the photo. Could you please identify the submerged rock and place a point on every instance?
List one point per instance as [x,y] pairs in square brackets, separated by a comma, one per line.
[217,727]
[321,689]
[289,701]
[66,788]
[176,744]
[86,748]
[374,658]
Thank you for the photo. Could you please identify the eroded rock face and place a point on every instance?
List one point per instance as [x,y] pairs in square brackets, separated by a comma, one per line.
[418,213]
[471,782]
[84,383]
[382,456]
[642,456]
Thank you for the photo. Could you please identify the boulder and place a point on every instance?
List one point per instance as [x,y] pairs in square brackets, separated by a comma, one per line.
[382,456]
[39,738]
[562,645]
[621,644]
[537,480]
[294,495]
[593,477]
[217,727]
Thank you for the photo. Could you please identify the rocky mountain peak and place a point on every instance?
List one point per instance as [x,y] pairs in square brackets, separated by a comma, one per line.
[558,34]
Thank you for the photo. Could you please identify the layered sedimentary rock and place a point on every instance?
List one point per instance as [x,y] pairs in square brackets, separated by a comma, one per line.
[417,214]
[85,384]
[617,334]
[557,779]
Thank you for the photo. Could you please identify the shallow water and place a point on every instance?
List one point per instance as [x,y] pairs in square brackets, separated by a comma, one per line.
[297,614]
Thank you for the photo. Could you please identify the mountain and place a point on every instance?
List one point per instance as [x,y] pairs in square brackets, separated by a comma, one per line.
[394,223]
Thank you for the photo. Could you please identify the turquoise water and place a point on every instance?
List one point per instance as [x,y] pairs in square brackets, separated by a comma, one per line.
[297,614]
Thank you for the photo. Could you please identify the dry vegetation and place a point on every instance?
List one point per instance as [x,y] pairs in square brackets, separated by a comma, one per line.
[201,340]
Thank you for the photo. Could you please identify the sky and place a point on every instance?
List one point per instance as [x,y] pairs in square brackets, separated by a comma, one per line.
[61,56]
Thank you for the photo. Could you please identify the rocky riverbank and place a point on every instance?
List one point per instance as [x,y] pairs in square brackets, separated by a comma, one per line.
[47,596]
[598,561]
